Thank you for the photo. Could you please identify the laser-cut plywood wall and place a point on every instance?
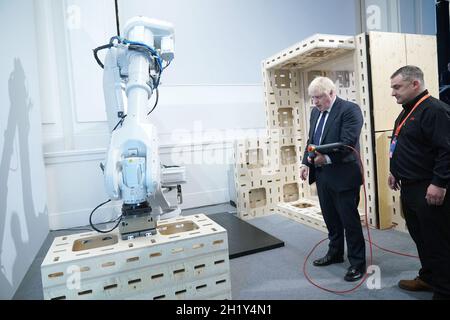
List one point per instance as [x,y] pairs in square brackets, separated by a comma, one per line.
[272,184]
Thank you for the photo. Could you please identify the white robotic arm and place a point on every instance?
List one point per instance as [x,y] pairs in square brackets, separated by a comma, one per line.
[133,65]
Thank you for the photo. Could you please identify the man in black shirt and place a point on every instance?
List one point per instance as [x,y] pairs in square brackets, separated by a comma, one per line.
[420,167]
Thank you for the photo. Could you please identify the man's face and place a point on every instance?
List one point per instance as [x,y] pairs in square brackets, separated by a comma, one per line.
[404,91]
[322,100]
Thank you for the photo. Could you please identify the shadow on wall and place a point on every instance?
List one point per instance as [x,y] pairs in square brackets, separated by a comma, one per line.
[17,253]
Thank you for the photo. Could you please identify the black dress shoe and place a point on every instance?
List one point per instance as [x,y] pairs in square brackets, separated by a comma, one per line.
[327,260]
[353,274]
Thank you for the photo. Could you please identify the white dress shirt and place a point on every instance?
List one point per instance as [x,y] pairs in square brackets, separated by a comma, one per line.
[326,118]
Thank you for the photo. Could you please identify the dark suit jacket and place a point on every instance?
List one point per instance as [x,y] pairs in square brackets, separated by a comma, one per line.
[343,125]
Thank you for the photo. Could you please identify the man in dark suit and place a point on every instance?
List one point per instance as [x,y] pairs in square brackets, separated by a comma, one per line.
[338,175]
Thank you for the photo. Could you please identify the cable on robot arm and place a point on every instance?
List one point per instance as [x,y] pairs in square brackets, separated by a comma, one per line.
[153,52]
[167,64]
[156,102]
[96,50]
[132,45]
[122,119]
[137,46]
[117,220]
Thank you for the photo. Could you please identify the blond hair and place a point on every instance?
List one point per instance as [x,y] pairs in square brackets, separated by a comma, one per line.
[321,85]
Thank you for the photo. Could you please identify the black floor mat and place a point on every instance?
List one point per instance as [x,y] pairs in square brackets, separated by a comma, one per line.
[243,238]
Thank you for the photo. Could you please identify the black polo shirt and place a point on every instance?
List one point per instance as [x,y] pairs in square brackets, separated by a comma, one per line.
[423,146]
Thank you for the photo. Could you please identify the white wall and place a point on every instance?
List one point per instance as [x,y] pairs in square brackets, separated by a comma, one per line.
[212,88]
[23,212]
[224,41]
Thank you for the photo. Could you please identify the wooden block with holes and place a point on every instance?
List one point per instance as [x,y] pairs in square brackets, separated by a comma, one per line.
[263,199]
[260,189]
[254,158]
[258,198]
[284,109]
[186,259]
[307,211]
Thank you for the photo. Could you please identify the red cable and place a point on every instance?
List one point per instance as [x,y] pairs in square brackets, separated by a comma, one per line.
[323,288]
[363,279]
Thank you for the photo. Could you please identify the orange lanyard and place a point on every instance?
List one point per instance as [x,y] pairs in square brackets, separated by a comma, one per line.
[397,131]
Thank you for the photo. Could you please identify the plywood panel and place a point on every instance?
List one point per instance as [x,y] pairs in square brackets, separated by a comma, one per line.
[387,54]
[388,200]
[382,150]
[421,51]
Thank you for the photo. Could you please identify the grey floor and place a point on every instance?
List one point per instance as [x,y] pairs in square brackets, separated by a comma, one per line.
[278,274]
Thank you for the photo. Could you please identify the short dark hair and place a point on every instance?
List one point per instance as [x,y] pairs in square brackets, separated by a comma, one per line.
[410,73]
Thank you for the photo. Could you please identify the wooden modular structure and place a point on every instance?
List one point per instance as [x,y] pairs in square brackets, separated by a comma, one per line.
[267,169]
[187,259]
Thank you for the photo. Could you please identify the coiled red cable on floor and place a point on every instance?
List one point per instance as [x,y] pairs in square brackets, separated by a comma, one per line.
[371,243]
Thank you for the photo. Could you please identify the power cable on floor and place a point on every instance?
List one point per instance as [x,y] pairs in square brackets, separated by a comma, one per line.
[371,243]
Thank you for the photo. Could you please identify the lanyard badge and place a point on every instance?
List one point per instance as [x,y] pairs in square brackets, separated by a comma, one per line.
[392,148]
[399,128]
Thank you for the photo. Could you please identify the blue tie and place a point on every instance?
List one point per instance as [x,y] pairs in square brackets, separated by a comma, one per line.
[318,133]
